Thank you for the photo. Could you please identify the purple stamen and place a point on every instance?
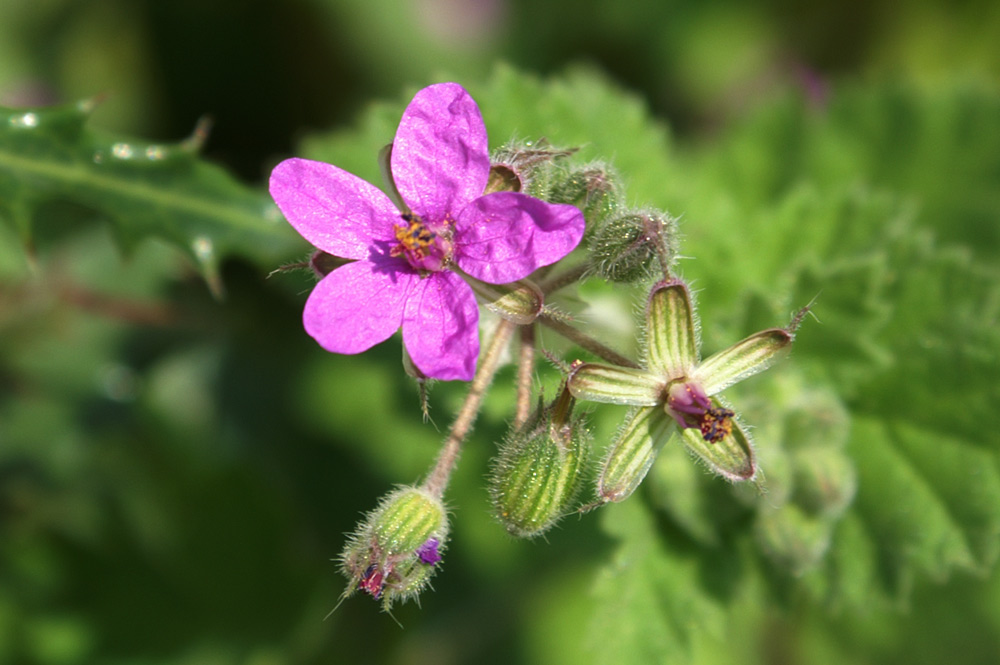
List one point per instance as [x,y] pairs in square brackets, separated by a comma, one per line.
[688,404]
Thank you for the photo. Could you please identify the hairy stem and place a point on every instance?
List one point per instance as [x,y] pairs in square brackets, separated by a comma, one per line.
[525,369]
[585,341]
[437,481]
[563,279]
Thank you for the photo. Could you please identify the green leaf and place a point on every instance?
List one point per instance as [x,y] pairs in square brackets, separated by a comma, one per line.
[930,503]
[144,189]
[650,604]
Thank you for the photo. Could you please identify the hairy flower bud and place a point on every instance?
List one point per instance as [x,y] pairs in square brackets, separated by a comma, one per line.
[791,539]
[624,248]
[520,302]
[523,166]
[537,473]
[396,549]
[593,189]
[825,480]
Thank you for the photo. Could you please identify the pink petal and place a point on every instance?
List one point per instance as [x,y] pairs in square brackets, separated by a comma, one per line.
[358,305]
[505,236]
[440,327]
[334,210]
[440,157]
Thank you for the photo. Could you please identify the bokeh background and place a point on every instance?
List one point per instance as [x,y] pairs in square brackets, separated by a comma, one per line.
[177,471]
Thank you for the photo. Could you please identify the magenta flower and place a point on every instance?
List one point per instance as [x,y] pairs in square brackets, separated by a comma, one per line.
[403,274]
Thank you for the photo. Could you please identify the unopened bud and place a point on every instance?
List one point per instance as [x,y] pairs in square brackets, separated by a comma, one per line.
[593,189]
[519,303]
[323,264]
[537,472]
[825,480]
[817,418]
[792,539]
[523,167]
[396,549]
[626,248]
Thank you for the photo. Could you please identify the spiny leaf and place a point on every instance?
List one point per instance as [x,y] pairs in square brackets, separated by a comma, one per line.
[144,189]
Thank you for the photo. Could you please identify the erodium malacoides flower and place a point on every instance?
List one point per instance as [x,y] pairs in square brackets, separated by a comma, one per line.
[407,258]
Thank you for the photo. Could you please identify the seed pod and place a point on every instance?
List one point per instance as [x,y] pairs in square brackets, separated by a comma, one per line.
[537,473]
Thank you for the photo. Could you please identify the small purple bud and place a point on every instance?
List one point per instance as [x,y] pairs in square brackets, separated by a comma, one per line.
[428,552]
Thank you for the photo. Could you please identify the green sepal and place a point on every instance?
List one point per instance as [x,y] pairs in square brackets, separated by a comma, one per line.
[743,359]
[519,302]
[632,453]
[731,457]
[671,337]
[616,385]
[407,519]
[537,473]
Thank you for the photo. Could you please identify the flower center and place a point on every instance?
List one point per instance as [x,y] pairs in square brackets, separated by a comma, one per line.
[423,248]
[688,404]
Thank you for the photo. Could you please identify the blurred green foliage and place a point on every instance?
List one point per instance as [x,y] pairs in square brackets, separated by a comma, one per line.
[176,471]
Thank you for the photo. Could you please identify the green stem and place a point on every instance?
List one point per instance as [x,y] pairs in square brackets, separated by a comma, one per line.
[525,368]
[564,279]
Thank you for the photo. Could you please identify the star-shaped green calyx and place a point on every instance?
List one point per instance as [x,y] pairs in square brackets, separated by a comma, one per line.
[676,388]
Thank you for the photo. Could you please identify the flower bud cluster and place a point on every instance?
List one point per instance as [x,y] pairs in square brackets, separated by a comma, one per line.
[810,483]
[525,166]
[593,188]
[626,245]
[396,549]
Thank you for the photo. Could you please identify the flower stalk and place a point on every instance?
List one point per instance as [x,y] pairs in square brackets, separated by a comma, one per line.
[437,479]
